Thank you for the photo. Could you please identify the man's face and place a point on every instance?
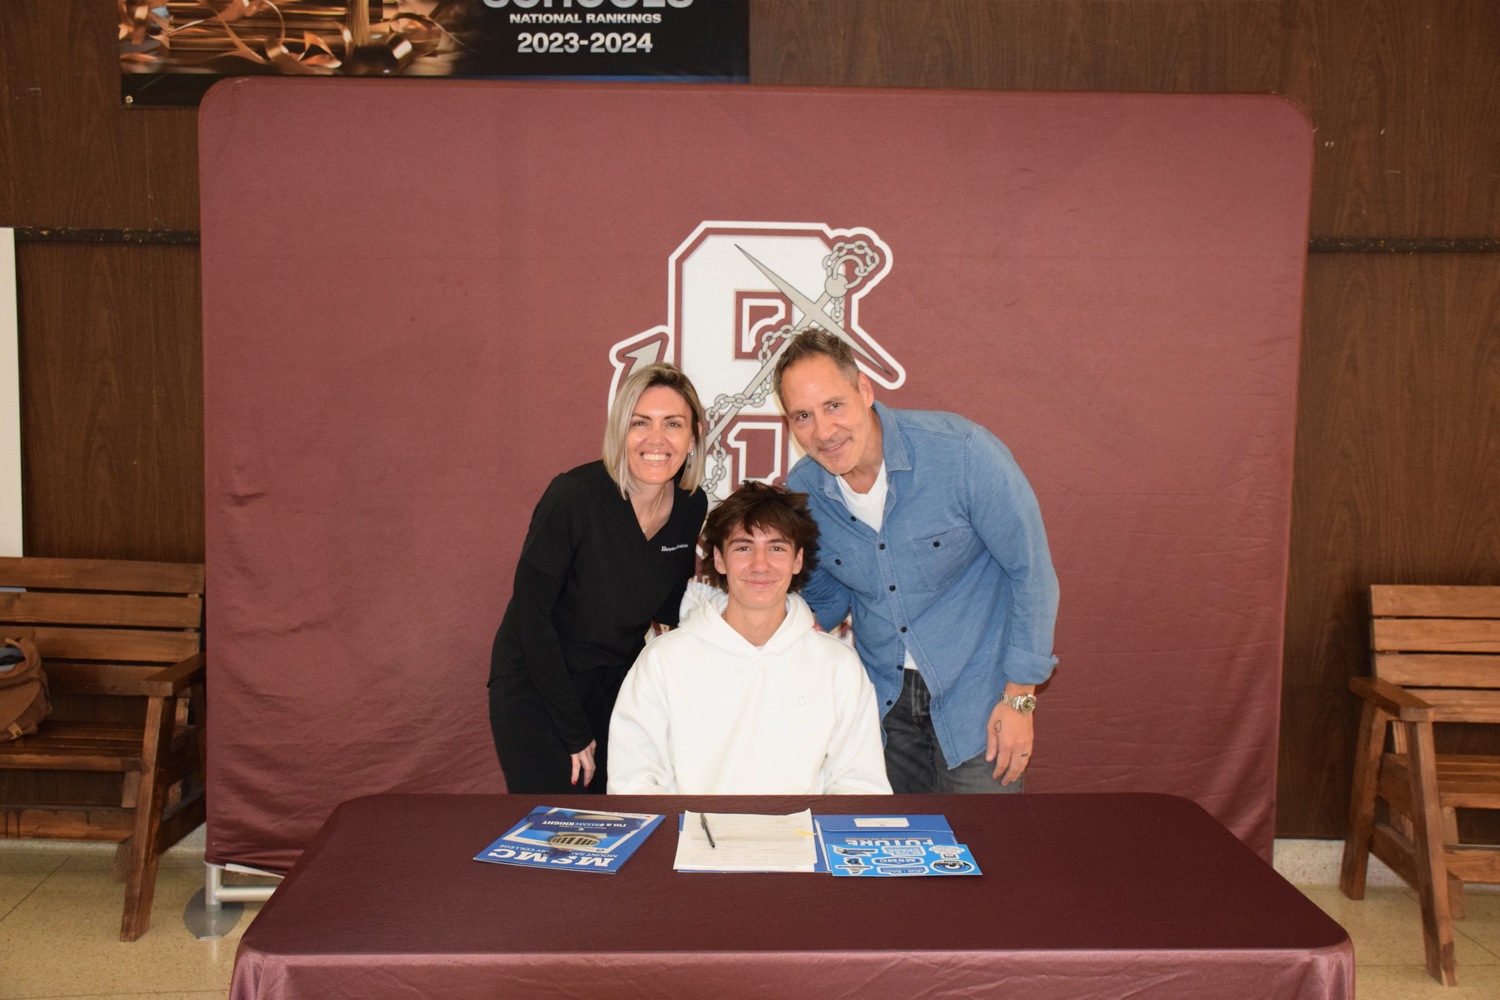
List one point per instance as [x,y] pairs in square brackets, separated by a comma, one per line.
[757,567]
[830,416]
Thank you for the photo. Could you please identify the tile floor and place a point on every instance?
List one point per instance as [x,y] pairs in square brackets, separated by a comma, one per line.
[60,915]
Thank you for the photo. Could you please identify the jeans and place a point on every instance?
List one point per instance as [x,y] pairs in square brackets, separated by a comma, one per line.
[914,761]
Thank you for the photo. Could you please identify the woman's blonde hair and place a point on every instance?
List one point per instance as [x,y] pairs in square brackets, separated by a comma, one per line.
[617,428]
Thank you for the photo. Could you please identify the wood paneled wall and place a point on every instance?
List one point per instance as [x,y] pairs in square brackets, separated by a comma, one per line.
[1398,446]
[112,411]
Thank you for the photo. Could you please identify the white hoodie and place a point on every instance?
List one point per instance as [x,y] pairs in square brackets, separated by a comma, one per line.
[705,712]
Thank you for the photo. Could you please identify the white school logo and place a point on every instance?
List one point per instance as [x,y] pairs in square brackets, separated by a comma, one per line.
[737,293]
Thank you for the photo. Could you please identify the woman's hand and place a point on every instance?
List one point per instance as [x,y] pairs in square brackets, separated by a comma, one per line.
[583,761]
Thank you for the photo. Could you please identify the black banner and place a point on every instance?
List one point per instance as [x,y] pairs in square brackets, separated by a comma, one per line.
[172,52]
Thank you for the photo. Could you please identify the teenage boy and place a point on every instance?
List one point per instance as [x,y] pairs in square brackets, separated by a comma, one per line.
[748,698]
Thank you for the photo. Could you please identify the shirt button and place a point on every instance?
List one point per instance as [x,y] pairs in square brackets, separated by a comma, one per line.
[838,562]
[882,546]
[903,628]
[893,586]
[936,544]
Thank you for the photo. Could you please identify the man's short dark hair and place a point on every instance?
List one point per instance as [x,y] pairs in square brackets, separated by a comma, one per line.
[772,509]
[817,342]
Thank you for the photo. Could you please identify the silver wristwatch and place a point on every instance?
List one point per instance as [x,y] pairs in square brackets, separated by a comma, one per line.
[1023,703]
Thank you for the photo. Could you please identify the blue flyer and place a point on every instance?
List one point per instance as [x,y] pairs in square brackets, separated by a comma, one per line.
[892,846]
[577,839]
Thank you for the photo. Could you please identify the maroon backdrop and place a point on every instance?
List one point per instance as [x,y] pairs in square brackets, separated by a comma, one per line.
[412,292]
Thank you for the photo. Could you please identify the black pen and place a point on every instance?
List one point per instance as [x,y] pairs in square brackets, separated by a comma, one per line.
[703,818]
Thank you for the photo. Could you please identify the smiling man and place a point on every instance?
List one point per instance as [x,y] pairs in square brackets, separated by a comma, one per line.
[748,698]
[933,536]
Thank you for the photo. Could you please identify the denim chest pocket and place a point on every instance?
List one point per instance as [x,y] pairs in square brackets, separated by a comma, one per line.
[853,565]
[942,557]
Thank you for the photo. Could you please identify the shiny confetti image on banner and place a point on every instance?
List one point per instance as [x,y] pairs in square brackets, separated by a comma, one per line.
[172,52]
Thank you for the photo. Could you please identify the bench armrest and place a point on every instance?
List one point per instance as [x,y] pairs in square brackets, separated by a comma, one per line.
[1392,699]
[171,681]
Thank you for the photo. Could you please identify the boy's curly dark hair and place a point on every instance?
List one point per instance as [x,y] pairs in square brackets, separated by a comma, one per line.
[772,509]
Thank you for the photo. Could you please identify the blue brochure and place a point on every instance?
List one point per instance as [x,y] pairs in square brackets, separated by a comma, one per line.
[892,846]
[576,839]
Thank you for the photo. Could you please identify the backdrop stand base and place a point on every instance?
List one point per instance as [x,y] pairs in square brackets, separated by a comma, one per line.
[208,923]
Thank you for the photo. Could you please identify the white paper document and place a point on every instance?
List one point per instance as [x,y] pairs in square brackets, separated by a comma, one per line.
[746,842]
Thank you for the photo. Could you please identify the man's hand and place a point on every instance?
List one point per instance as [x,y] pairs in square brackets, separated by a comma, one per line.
[1009,738]
[583,761]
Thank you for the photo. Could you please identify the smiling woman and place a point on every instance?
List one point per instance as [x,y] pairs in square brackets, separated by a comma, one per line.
[659,438]
[610,549]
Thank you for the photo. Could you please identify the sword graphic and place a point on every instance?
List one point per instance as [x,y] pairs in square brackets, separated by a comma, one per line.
[812,312]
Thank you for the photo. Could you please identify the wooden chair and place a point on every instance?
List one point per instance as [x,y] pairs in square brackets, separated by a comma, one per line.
[1436,660]
[121,756]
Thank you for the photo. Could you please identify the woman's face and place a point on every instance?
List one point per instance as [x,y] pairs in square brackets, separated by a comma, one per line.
[660,436]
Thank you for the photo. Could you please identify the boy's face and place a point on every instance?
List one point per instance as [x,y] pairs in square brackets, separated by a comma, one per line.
[757,567]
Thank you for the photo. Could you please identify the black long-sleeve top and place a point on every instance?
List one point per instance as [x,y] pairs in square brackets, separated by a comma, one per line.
[588,585]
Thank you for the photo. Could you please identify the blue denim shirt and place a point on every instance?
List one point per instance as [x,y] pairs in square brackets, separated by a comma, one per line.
[959,574]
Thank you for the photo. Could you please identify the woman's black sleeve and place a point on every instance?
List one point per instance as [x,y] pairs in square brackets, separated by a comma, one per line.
[542,571]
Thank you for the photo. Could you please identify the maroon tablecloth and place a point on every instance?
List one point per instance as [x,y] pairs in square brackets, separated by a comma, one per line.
[1135,895]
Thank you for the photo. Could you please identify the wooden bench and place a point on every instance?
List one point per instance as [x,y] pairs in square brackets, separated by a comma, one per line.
[121,757]
[1436,660]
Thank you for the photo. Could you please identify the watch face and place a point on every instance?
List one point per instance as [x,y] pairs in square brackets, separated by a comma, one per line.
[1024,703]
